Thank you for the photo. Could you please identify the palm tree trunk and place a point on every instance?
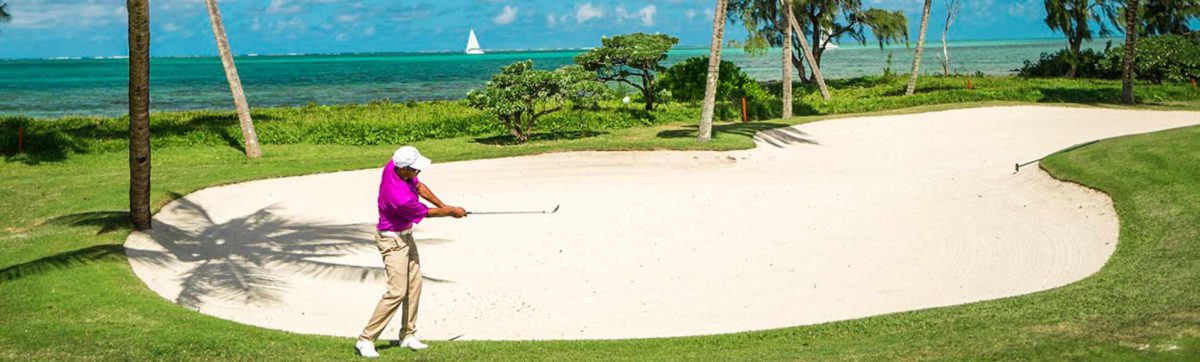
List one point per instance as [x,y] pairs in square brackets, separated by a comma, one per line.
[1074,44]
[139,113]
[249,136]
[912,79]
[714,69]
[787,61]
[808,54]
[1131,22]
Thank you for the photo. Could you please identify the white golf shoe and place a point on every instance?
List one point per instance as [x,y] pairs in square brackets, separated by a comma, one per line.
[412,343]
[366,349]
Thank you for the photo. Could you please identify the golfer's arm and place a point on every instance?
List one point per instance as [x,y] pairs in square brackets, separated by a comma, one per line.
[440,212]
[429,196]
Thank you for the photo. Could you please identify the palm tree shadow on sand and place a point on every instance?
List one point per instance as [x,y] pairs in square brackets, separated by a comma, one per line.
[242,259]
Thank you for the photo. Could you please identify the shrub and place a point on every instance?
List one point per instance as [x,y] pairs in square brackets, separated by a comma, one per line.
[1091,65]
[519,94]
[1161,58]
[686,81]
[625,57]
[1157,59]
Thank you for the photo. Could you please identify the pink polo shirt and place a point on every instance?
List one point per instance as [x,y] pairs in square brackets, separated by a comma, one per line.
[399,204]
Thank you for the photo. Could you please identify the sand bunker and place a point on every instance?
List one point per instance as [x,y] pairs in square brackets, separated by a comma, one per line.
[825,221]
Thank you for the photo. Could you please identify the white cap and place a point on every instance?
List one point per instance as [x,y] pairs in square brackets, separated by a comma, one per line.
[408,156]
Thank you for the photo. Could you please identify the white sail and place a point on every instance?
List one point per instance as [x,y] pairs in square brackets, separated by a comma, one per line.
[473,44]
[832,45]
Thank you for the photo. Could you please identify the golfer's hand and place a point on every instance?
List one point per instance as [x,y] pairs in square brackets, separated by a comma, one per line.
[458,212]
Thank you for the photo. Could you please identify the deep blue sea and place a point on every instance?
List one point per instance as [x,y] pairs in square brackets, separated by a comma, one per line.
[59,87]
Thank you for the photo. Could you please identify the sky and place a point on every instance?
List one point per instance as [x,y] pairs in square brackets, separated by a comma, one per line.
[88,28]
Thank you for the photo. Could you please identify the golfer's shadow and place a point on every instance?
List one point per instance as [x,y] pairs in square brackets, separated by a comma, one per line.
[239,259]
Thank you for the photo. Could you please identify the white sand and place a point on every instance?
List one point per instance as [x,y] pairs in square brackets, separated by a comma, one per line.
[825,221]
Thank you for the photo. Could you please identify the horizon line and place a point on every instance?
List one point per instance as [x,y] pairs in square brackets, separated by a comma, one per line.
[507,50]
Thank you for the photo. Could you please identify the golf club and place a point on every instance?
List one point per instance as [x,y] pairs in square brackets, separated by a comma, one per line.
[513,212]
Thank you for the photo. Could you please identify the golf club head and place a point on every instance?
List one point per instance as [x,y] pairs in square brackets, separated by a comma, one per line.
[555,209]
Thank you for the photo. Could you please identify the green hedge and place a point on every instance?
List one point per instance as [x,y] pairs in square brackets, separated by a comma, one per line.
[1158,59]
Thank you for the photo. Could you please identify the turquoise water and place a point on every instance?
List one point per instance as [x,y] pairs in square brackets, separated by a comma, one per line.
[51,88]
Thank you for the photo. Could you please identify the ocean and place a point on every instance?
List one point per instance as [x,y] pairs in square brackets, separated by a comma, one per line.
[45,88]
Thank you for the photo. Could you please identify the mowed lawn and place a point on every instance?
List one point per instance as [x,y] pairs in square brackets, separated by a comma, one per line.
[67,292]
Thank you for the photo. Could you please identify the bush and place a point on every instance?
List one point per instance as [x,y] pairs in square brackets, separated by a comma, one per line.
[686,81]
[1159,58]
[519,94]
[1091,65]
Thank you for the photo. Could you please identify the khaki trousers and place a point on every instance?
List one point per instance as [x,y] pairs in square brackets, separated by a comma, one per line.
[403,267]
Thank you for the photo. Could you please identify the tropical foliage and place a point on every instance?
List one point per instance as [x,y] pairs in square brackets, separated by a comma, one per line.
[4,15]
[821,20]
[519,94]
[1074,18]
[631,59]
[686,80]
[1162,58]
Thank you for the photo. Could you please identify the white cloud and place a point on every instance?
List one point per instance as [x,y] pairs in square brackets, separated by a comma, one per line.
[709,14]
[278,7]
[647,14]
[551,20]
[621,13]
[691,13]
[40,15]
[506,16]
[587,12]
[347,18]
[341,37]
[1027,8]
[170,27]
[369,31]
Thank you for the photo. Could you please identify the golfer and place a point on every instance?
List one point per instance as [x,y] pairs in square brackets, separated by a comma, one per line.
[399,210]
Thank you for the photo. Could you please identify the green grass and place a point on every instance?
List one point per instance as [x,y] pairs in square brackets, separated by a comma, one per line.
[67,292]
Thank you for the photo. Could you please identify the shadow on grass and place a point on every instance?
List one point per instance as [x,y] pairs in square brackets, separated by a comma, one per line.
[1080,95]
[54,141]
[775,134]
[107,221]
[242,259]
[67,260]
[510,140]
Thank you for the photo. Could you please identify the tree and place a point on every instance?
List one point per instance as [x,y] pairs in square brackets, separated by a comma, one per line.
[249,136]
[623,57]
[1073,18]
[4,15]
[812,62]
[824,21]
[912,79]
[1131,25]
[519,94]
[787,61]
[139,113]
[714,68]
[1168,16]
[952,8]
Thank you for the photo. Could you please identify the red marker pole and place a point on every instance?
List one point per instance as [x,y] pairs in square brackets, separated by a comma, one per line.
[743,109]
[21,139]
[1193,83]
[969,85]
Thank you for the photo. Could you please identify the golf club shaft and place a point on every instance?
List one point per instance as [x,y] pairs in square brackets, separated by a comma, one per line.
[512,212]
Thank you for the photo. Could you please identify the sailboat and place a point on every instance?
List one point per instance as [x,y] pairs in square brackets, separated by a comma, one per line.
[473,44]
[832,45]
